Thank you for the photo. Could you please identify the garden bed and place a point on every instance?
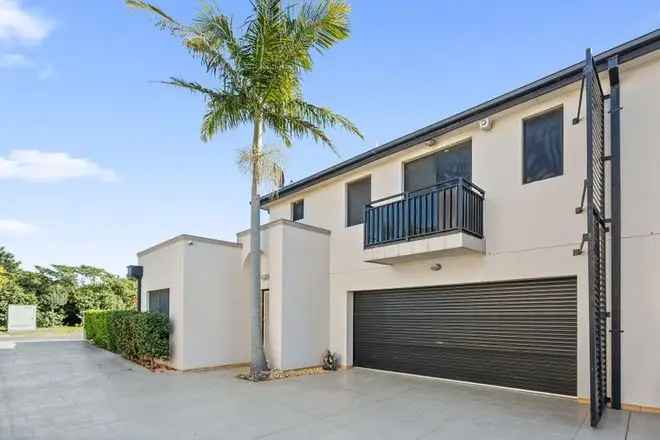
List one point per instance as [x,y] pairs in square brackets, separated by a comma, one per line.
[283,374]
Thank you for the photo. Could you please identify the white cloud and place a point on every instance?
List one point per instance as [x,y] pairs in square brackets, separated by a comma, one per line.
[10,226]
[19,25]
[41,166]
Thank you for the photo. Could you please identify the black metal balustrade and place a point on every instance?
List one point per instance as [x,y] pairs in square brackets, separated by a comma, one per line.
[456,205]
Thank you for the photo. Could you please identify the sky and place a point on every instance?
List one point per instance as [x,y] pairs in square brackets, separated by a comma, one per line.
[99,161]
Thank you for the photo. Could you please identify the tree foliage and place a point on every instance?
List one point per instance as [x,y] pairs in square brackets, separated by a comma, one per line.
[62,293]
[258,66]
[7,261]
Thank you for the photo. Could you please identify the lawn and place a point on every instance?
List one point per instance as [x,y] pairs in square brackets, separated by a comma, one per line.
[64,332]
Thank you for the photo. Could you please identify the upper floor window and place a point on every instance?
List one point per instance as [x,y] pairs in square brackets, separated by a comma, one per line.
[435,168]
[358,194]
[298,210]
[543,146]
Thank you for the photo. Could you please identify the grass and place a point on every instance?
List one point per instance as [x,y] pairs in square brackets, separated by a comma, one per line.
[44,332]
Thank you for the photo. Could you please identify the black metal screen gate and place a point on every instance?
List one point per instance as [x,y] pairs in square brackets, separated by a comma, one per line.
[597,230]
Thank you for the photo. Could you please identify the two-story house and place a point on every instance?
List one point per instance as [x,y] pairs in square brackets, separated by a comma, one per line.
[498,246]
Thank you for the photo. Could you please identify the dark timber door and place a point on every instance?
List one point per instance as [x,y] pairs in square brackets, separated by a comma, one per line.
[520,334]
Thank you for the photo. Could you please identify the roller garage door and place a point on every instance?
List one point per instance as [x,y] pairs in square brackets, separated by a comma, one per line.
[520,334]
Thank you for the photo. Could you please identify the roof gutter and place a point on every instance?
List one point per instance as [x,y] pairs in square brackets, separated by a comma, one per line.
[626,52]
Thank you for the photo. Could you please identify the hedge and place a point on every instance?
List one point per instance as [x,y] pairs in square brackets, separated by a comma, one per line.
[134,335]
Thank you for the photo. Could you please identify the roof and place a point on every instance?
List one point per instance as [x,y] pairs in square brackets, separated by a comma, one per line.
[286,222]
[187,237]
[625,52]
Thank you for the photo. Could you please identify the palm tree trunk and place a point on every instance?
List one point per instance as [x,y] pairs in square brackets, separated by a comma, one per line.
[258,363]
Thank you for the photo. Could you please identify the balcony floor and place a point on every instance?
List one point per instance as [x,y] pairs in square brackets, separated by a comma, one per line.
[438,245]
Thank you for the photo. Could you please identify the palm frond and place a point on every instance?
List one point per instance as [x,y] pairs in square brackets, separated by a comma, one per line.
[164,20]
[294,126]
[269,163]
[325,23]
[325,117]
[191,86]
[212,38]
[224,112]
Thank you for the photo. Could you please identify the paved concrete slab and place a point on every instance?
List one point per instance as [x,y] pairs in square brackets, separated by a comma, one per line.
[73,390]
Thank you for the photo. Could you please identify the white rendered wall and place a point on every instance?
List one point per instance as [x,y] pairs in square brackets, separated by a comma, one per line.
[215,306]
[640,224]
[208,308]
[305,299]
[530,230]
[163,269]
[294,265]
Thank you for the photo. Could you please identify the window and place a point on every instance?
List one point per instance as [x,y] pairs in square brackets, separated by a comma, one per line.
[358,194]
[159,301]
[543,146]
[435,168]
[298,210]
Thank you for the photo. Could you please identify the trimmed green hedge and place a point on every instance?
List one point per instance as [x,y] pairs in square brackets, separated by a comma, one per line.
[132,334]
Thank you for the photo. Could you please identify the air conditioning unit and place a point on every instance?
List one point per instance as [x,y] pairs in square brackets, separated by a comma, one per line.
[486,124]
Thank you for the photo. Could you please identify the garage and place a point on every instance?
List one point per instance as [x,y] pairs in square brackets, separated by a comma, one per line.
[518,334]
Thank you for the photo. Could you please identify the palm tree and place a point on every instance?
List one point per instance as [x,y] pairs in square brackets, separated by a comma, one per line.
[259,85]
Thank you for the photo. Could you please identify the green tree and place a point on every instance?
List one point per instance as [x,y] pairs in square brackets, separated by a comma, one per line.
[70,290]
[8,261]
[259,67]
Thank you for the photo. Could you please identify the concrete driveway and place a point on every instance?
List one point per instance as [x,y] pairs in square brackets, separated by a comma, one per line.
[71,390]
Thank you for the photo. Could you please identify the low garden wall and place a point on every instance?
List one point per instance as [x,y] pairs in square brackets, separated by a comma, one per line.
[139,336]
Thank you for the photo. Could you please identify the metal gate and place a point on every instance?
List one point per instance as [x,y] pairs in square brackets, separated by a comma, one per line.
[518,334]
[597,229]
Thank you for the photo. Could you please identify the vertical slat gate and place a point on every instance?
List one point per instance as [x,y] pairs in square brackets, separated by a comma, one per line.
[595,123]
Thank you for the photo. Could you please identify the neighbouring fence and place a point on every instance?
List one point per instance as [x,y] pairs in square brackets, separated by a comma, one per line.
[21,317]
[140,336]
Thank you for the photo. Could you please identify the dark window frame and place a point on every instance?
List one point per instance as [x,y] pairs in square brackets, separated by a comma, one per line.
[348,201]
[293,210]
[557,109]
[436,152]
[159,292]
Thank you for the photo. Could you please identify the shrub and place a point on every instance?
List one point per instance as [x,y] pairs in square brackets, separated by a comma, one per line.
[134,335]
[154,332]
[122,334]
[97,328]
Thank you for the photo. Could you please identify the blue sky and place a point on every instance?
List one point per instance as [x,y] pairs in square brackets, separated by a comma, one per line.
[98,162]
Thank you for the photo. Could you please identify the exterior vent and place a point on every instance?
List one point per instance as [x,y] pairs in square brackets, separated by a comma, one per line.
[486,124]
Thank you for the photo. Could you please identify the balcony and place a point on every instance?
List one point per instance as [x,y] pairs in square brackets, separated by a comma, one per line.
[424,223]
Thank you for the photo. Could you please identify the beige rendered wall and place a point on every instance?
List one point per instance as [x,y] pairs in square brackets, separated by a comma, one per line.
[305,299]
[640,223]
[215,306]
[271,274]
[530,230]
[163,269]
[294,265]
